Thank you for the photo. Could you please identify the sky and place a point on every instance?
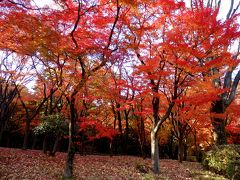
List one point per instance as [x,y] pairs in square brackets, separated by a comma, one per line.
[225,5]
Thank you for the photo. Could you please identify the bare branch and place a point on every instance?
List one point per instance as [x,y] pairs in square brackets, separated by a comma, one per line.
[104,61]
[233,90]
[219,4]
[235,10]
[23,5]
[76,24]
[230,10]
[164,118]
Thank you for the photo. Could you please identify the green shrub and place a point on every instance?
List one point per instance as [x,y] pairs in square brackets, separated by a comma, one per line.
[224,160]
[233,170]
[54,124]
[141,167]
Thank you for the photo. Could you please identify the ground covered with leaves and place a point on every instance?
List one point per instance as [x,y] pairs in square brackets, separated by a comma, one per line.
[33,164]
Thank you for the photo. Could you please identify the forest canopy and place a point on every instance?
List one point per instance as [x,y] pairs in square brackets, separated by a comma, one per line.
[136,77]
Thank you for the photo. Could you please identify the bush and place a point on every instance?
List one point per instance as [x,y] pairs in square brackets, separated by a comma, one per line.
[54,124]
[141,167]
[224,160]
[233,170]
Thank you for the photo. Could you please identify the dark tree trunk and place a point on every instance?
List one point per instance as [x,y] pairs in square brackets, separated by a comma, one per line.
[219,128]
[2,128]
[68,172]
[34,142]
[56,146]
[115,115]
[119,118]
[154,139]
[45,144]
[141,130]
[180,150]
[141,136]
[127,132]
[110,148]
[219,124]
[26,134]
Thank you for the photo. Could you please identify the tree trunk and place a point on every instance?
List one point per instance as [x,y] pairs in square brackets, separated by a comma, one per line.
[219,131]
[219,124]
[127,132]
[26,134]
[2,128]
[180,150]
[110,148]
[57,145]
[45,144]
[155,153]
[119,118]
[68,172]
[34,142]
[142,137]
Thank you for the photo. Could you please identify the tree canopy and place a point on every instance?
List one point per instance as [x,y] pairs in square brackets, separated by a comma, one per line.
[144,71]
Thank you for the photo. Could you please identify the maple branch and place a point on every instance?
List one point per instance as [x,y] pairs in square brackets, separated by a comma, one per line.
[23,5]
[210,3]
[104,61]
[36,111]
[233,90]
[191,3]
[230,10]
[76,24]
[228,81]
[113,27]
[234,11]
[77,21]
[166,115]
[219,4]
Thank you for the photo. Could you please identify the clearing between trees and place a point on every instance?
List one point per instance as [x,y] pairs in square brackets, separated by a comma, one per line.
[33,164]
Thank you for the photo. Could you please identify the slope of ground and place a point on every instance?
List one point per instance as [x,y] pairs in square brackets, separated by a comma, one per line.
[32,164]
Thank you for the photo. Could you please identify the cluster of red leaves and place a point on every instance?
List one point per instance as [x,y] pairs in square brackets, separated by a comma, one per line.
[101,130]
[33,164]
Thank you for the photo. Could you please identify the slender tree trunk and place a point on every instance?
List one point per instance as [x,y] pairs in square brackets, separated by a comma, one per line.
[34,142]
[155,153]
[154,140]
[219,131]
[45,144]
[196,146]
[180,150]
[110,148]
[57,145]
[142,137]
[8,141]
[127,132]
[26,134]
[119,118]
[219,124]
[68,172]
[141,149]
[2,128]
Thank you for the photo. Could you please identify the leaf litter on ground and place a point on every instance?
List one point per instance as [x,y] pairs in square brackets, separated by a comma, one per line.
[33,164]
